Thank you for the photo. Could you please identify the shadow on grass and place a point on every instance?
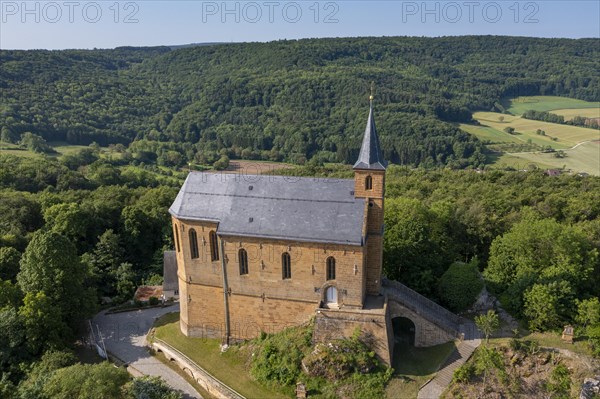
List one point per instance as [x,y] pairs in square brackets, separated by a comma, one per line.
[167,319]
[410,361]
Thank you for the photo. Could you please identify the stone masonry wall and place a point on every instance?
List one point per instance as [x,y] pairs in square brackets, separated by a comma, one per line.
[334,324]
[426,332]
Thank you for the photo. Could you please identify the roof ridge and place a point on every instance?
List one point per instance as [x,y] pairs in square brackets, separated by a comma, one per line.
[273,198]
[291,178]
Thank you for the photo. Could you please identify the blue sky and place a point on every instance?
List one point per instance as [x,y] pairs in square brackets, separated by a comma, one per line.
[107,24]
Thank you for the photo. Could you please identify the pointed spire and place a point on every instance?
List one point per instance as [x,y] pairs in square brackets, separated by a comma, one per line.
[370,156]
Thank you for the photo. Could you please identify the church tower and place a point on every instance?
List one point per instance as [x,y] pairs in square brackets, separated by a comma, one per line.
[369,183]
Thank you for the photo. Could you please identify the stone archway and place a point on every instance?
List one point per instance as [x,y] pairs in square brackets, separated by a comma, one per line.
[404,331]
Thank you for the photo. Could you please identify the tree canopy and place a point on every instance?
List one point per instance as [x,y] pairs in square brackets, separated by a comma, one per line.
[289,99]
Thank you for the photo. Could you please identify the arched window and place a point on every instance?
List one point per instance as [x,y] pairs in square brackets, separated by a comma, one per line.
[368,183]
[176,237]
[243,259]
[331,268]
[194,244]
[214,246]
[286,266]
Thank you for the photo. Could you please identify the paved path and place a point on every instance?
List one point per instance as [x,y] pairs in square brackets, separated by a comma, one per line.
[124,336]
[434,388]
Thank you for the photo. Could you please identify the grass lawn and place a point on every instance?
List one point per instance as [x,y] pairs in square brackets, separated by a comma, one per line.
[229,367]
[413,367]
[517,106]
[554,340]
[548,340]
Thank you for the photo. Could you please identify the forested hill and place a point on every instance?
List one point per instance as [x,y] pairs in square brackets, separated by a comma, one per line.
[289,100]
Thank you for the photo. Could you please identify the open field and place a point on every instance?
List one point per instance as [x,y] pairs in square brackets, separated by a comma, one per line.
[519,105]
[503,161]
[246,167]
[11,149]
[581,145]
[61,149]
[489,134]
[567,136]
[571,113]
[583,158]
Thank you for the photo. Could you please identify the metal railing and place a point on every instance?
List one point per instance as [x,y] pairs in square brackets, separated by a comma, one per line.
[422,306]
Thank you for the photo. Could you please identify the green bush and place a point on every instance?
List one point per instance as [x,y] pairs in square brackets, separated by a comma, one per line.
[152,301]
[526,346]
[279,356]
[464,373]
[459,285]
[559,384]
[150,388]
[593,333]
[340,358]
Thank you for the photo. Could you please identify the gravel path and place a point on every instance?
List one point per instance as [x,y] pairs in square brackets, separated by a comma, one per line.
[124,336]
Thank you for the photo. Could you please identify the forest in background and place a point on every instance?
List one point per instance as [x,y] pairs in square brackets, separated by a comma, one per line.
[93,223]
[288,100]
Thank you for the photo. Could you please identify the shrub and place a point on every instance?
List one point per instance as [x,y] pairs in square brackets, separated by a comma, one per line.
[459,285]
[150,388]
[524,346]
[593,333]
[278,359]
[464,373]
[339,359]
[560,382]
[152,301]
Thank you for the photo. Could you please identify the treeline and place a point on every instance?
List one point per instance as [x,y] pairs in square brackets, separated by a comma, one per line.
[435,218]
[553,118]
[73,233]
[289,100]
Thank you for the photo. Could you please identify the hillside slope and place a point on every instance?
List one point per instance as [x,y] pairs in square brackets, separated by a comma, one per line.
[291,100]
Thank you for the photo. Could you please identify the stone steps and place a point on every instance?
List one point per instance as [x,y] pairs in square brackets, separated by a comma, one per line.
[434,388]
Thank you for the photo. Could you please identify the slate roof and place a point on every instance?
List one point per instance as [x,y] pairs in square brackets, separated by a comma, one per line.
[370,156]
[276,207]
[170,282]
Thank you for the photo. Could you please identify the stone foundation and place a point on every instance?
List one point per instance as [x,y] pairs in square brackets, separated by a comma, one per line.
[373,323]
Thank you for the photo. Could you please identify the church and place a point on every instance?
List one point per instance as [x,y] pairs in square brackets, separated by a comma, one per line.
[258,253]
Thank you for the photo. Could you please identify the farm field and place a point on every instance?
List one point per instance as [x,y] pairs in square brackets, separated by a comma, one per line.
[568,136]
[583,158]
[12,149]
[489,134]
[246,167]
[571,113]
[61,149]
[517,106]
[514,161]
[521,151]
